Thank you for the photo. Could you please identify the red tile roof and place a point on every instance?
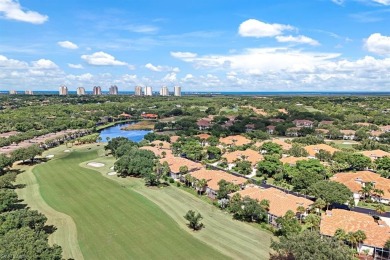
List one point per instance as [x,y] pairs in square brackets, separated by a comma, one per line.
[351,221]
[279,201]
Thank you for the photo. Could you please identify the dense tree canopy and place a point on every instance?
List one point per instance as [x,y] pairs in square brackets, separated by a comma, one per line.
[330,191]
[135,162]
[311,245]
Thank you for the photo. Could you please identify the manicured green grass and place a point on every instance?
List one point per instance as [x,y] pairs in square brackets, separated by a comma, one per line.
[348,144]
[369,205]
[311,109]
[236,239]
[114,222]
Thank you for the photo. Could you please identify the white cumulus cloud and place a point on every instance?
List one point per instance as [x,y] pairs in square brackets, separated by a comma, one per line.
[170,77]
[6,63]
[12,10]
[378,44]
[182,55]
[75,66]
[383,2]
[297,39]
[44,64]
[258,29]
[68,45]
[159,68]
[102,59]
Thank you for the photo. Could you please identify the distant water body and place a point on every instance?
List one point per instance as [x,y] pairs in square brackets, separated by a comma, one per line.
[116,131]
[255,93]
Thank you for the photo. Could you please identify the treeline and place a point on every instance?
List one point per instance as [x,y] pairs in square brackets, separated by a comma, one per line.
[23,232]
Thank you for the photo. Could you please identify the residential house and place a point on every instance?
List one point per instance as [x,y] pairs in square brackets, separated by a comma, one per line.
[176,162]
[279,201]
[124,116]
[234,140]
[149,116]
[249,155]
[348,134]
[203,124]
[303,123]
[385,128]
[314,149]
[203,139]
[320,132]
[377,231]
[375,135]
[355,181]
[375,154]
[213,177]
[293,131]
[174,138]
[271,129]
[249,128]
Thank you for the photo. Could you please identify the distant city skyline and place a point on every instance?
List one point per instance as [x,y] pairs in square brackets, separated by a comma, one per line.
[246,45]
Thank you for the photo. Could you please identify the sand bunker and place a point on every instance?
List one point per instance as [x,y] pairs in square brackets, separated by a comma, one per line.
[67,151]
[95,164]
[111,173]
[112,168]
[347,143]
[50,156]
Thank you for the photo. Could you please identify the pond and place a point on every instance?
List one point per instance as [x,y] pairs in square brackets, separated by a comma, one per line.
[115,131]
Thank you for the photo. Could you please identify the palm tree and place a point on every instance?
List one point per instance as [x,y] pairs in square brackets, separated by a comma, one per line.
[367,190]
[340,234]
[379,193]
[194,220]
[183,170]
[313,221]
[189,180]
[300,210]
[352,239]
[387,244]
[360,236]
[200,185]
[380,209]
[163,154]
[319,204]
[265,204]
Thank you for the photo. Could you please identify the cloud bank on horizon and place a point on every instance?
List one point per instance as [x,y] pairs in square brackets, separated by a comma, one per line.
[335,45]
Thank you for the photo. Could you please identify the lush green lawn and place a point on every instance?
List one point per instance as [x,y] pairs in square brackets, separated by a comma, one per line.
[369,205]
[114,222]
[311,109]
[344,143]
[236,239]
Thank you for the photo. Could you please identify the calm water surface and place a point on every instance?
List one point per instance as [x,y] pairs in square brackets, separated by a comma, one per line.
[115,131]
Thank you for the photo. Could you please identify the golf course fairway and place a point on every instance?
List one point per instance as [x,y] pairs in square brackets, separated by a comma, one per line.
[114,222]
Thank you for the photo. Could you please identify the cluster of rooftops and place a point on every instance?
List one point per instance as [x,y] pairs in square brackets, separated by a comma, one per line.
[281,201]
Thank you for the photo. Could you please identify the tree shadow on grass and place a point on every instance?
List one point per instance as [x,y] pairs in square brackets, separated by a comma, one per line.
[49,229]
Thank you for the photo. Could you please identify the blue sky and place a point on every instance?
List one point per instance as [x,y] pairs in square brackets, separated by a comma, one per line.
[202,45]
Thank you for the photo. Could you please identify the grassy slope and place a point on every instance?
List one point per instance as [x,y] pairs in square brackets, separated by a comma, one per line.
[236,239]
[113,222]
[66,233]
